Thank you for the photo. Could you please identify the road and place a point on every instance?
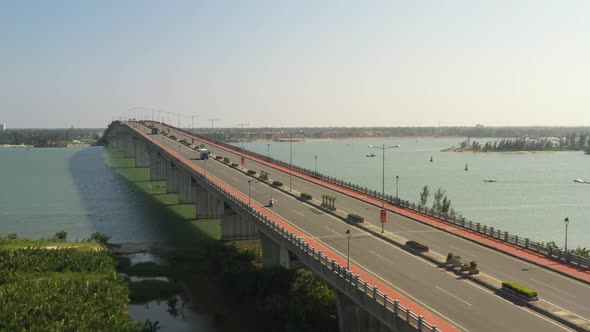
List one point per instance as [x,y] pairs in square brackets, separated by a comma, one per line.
[460,302]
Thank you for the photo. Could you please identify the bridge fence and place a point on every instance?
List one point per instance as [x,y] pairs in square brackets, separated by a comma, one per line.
[397,310]
[539,247]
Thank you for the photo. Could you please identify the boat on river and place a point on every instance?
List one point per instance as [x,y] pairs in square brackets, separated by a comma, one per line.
[581,181]
[490,180]
[371,155]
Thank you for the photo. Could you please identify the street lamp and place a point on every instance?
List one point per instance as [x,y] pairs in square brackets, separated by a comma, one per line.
[291,157]
[396,187]
[249,187]
[566,221]
[316,164]
[348,235]
[268,150]
[383,178]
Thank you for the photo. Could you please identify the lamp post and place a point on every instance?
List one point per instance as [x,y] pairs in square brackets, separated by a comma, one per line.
[566,221]
[348,234]
[291,157]
[396,187]
[249,187]
[383,178]
[316,164]
[268,150]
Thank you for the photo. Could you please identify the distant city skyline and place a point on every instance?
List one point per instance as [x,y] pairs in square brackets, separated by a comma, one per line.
[296,64]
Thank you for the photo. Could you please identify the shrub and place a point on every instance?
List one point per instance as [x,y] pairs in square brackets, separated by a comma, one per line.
[60,236]
[473,265]
[218,157]
[450,257]
[251,171]
[12,236]
[305,196]
[264,175]
[277,183]
[355,217]
[465,267]
[100,237]
[226,160]
[417,246]
[234,164]
[172,137]
[519,289]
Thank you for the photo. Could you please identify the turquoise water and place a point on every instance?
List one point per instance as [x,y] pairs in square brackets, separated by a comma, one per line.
[48,190]
[533,195]
[44,191]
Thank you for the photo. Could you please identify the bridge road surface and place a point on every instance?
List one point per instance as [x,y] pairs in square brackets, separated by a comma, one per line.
[461,303]
[557,289]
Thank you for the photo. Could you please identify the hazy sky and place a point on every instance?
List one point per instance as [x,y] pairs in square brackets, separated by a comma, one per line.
[296,63]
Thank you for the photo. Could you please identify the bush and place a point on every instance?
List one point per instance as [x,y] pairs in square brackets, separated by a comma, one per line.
[264,175]
[172,137]
[450,257]
[251,171]
[277,183]
[473,265]
[305,196]
[519,289]
[234,165]
[417,246]
[60,236]
[218,157]
[226,160]
[100,237]
[355,217]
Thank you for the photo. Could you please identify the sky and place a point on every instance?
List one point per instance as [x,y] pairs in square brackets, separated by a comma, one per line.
[295,63]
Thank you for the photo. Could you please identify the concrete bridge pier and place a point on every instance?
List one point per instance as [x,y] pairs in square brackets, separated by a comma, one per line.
[171,177]
[235,226]
[353,318]
[275,254]
[142,158]
[184,187]
[156,161]
[129,150]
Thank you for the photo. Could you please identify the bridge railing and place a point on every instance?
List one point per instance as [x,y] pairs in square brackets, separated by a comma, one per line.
[397,310]
[520,241]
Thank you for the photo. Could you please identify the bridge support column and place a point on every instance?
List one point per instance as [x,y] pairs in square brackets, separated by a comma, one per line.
[275,254]
[236,227]
[129,151]
[208,205]
[353,318]
[171,175]
[141,155]
[155,166]
[184,187]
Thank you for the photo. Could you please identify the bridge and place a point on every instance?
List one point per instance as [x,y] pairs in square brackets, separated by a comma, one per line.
[386,286]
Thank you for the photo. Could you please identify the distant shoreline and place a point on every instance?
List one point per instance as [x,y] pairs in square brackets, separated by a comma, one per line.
[364,138]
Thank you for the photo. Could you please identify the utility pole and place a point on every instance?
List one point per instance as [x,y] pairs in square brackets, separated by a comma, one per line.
[213,120]
[242,131]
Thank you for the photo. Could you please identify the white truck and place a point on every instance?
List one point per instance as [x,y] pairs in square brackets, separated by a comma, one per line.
[203,153]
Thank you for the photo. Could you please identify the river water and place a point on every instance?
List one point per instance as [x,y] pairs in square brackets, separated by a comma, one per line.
[533,194]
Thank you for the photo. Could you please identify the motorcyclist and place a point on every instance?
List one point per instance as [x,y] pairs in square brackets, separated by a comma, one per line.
[271,202]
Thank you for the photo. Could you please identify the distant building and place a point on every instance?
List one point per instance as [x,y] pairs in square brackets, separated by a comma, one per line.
[2,127]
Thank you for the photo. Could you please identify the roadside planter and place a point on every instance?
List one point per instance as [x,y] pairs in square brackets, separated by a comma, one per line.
[519,291]
[450,259]
[277,183]
[251,172]
[416,246]
[355,218]
[305,196]
[473,268]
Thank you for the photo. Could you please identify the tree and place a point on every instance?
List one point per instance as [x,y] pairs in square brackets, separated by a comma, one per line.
[438,195]
[424,196]
[99,237]
[446,205]
[60,236]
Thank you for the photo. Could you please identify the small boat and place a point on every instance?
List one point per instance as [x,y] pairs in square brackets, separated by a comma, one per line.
[580,181]
[430,158]
[466,167]
[371,155]
[490,180]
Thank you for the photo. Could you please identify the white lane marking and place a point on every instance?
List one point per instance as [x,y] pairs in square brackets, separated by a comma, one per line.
[333,231]
[383,258]
[552,287]
[299,213]
[442,290]
[464,251]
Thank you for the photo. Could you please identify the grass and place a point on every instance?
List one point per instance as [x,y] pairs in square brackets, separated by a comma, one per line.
[23,243]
